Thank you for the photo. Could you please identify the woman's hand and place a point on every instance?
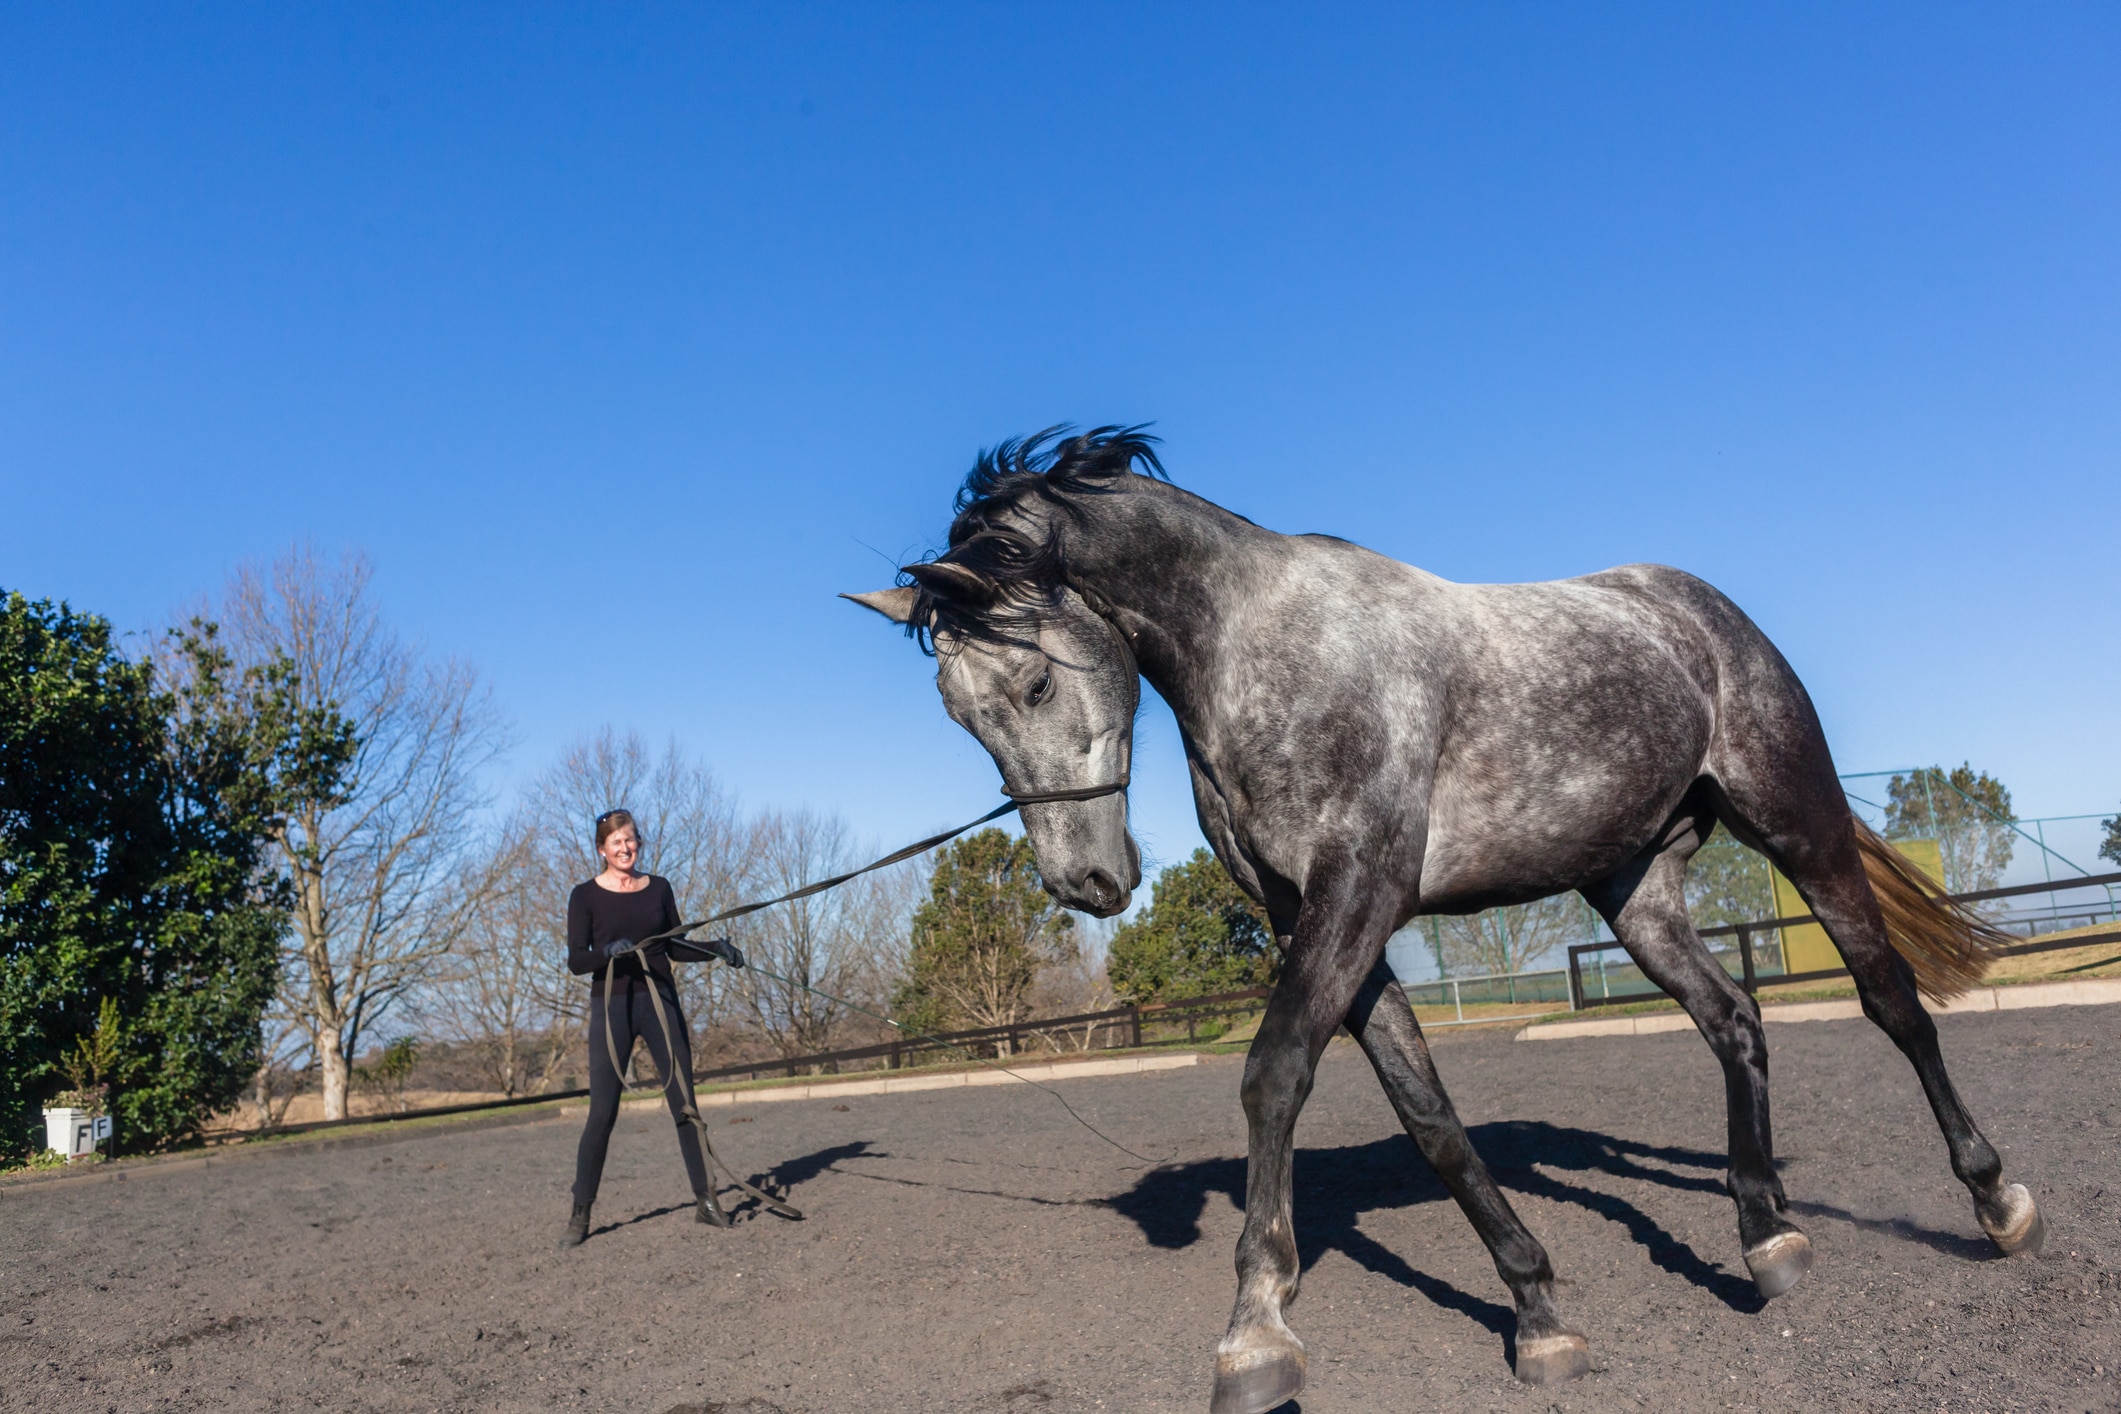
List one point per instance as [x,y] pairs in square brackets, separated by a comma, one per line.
[725,950]
[619,947]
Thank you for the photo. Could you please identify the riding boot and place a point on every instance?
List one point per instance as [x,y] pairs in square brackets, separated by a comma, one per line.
[710,1212]
[577,1227]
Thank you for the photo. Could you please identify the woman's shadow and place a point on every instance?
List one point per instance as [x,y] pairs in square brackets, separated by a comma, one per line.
[780,1180]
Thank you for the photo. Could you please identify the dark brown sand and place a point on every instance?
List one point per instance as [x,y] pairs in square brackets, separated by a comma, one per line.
[975,1250]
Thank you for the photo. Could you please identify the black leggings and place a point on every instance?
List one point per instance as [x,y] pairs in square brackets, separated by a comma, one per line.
[631,1012]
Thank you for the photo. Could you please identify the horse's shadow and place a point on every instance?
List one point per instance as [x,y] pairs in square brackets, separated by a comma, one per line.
[1951,1244]
[1335,1187]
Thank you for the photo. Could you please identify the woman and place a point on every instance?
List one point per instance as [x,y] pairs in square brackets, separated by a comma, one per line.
[606,918]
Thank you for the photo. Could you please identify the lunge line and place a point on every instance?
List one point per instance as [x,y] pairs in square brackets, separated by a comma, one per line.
[691,1110]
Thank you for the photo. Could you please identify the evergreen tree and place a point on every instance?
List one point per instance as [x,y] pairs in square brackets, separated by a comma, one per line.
[1200,935]
[1967,812]
[135,921]
[979,939]
[1727,883]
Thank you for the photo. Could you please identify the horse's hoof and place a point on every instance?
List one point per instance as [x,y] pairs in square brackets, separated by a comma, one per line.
[1254,1381]
[1779,1263]
[2023,1231]
[1551,1359]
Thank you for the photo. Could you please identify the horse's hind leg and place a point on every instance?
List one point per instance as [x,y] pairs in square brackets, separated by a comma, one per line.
[1645,904]
[1817,851]
[1548,1350]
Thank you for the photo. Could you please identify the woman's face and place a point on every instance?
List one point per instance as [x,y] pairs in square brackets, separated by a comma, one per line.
[621,848]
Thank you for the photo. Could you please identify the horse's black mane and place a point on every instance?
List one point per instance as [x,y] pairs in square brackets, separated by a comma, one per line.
[1044,464]
[991,540]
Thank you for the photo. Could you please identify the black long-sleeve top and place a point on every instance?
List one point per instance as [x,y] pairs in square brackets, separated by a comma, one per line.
[597,915]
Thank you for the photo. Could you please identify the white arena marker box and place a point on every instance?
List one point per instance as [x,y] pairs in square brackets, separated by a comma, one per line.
[74,1132]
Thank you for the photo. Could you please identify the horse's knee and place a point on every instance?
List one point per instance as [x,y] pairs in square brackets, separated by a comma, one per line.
[1735,1033]
[1445,1146]
[1275,1079]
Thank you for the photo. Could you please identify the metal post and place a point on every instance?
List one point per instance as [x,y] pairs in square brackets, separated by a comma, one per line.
[1458,1000]
[1134,1015]
[1929,803]
[2047,870]
[1745,957]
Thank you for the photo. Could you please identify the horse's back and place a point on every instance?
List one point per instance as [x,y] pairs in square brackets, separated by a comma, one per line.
[1577,714]
[1762,707]
[1581,712]
[1550,727]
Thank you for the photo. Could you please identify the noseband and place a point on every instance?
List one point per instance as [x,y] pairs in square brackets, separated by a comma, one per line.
[1055,797]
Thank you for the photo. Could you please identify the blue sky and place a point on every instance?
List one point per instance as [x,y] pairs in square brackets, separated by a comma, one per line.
[624,338]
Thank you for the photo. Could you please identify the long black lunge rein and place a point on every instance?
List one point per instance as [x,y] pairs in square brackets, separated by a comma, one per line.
[1047,797]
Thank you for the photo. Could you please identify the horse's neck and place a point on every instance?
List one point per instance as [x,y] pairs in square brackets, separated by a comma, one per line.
[1170,570]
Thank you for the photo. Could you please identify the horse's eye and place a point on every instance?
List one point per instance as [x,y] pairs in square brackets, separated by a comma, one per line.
[1039,688]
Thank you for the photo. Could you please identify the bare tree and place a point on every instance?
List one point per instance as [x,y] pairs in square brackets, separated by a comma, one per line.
[280,1078]
[1511,938]
[506,993]
[846,943]
[1077,983]
[373,836]
[689,835]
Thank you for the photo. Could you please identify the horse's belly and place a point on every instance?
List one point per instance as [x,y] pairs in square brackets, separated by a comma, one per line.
[1467,880]
[1524,844]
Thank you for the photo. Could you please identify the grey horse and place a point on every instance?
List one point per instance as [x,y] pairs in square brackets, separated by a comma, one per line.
[1368,743]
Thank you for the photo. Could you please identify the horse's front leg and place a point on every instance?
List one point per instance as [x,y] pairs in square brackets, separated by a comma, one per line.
[1260,1362]
[1548,1348]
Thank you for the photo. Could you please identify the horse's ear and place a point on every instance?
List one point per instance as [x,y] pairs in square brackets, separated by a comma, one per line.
[951,581]
[894,604]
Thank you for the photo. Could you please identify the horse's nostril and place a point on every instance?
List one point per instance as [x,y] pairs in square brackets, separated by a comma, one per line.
[1102,890]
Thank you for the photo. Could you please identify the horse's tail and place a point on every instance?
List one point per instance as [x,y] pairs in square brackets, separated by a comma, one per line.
[1948,947]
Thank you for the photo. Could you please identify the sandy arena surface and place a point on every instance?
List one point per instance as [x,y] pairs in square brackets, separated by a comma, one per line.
[974,1250]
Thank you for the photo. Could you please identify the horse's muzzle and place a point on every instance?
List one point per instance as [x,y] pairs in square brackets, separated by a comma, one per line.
[1101,896]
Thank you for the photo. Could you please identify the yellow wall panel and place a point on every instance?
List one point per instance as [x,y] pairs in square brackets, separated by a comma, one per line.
[1806,947]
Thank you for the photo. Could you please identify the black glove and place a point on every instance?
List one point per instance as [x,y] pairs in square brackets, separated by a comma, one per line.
[619,947]
[725,950]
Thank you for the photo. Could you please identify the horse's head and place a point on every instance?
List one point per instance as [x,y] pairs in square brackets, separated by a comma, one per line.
[1049,687]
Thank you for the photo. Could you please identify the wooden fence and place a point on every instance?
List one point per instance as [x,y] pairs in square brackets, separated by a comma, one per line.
[1753,977]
